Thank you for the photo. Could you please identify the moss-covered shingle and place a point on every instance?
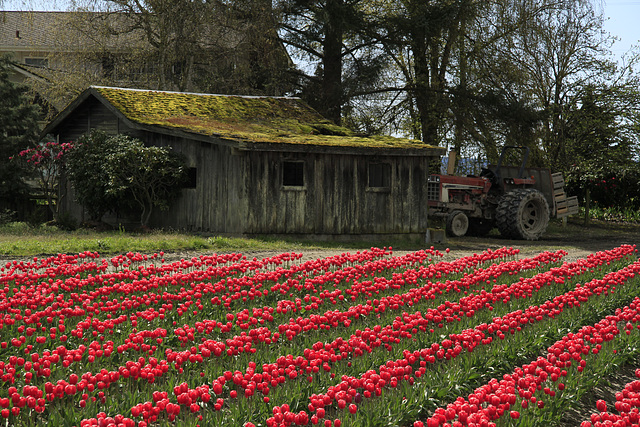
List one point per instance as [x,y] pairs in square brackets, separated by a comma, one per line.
[248,119]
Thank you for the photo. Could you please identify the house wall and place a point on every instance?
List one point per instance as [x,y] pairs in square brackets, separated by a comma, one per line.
[335,198]
[20,57]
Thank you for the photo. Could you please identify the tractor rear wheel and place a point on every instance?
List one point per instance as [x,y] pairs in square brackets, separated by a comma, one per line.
[522,214]
[457,224]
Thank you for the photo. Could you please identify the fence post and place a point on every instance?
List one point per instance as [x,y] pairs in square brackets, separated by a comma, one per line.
[587,202]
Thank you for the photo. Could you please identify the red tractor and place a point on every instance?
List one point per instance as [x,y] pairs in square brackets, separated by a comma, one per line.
[517,200]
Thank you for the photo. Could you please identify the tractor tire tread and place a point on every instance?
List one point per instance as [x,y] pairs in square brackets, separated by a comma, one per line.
[509,214]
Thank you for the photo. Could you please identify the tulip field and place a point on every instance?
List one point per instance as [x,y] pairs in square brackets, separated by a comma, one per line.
[357,339]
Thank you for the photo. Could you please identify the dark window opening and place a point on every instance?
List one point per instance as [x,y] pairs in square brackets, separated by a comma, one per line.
[379,175]
[108,65]
[192,178]
[179,68]
[293,174]
[37,62]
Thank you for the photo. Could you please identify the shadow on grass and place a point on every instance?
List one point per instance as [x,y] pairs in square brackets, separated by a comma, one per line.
[596,236]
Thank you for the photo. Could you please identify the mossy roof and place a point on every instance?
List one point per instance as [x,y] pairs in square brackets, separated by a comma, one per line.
[272,120]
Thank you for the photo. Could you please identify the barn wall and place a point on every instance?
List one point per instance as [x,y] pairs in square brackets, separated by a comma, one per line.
[335,198]
[242,192]
[217,203]
[89,115]
[269,205]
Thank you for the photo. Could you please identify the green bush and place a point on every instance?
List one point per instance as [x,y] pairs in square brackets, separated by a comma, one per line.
[609,187]
[15,228]
[36,217]
[7,216]
[66,222]
[85,170]
[120,174]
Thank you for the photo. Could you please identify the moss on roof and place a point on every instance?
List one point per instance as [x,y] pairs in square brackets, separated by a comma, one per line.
[250,119]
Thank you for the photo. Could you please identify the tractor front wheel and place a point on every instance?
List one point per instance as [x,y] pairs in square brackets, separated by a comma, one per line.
[522,214]
[457,224]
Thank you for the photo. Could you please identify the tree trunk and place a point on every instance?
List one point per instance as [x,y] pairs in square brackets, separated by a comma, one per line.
[332,62]
[147,200]
[421,85]
[462,89]
[146,216]
[49,189]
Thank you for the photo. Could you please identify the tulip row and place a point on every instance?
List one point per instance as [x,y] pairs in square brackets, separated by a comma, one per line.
[321,356]
[133,369]
[231,346]
[130,309]
[210,348]
[627,405]
[22,274]
[239,379]
[29,290]
[544,382]
[372,382]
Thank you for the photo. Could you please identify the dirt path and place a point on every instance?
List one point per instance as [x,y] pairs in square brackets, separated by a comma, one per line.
[577,240]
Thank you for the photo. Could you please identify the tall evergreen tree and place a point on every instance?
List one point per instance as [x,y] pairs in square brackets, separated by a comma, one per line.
[18,130]
[601,127]
[422,37]
[334,38]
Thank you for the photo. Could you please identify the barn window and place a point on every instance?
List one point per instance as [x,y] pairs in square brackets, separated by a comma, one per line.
[293,174]
[379,175]
[192,178]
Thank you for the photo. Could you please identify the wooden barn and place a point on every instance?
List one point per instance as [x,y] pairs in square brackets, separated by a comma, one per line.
[264,165]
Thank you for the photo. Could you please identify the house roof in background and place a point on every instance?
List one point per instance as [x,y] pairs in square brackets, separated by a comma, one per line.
[43,31]
[247,119]
[27,30]
[38,73]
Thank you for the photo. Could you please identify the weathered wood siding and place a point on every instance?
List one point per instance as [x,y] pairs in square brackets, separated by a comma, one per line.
[335,198]
[217,203]
[92,114]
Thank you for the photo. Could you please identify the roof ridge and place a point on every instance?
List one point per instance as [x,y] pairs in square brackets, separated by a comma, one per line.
[197,93]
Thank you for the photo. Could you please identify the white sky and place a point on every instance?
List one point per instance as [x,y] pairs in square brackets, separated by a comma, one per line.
[623,17]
